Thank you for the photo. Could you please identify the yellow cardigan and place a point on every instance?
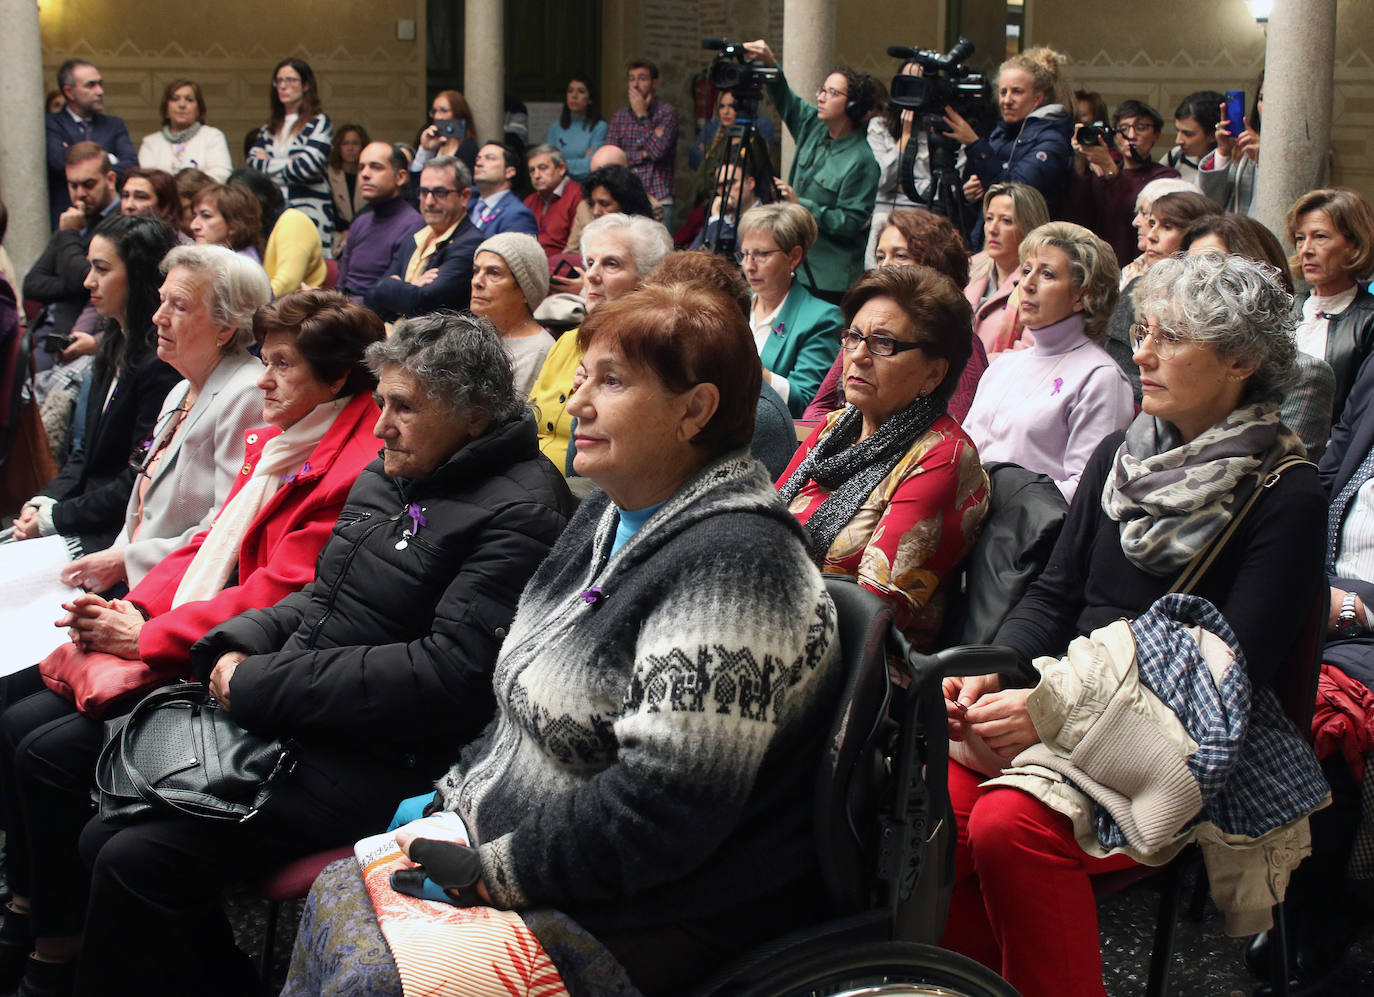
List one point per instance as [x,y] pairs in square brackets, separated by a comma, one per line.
[294,254]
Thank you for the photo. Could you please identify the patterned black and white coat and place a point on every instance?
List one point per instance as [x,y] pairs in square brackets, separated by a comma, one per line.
[660,714]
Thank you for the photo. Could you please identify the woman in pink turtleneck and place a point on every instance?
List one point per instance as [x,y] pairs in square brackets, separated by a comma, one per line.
[1048,407]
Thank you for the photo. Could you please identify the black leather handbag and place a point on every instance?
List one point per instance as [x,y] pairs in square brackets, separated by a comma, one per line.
[179,751]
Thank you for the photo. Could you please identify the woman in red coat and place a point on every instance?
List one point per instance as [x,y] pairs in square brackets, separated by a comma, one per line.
[297,472]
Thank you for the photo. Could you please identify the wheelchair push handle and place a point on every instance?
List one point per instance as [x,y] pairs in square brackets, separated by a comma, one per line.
[966,659]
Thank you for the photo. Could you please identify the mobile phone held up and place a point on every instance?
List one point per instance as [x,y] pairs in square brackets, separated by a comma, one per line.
[452,128]
[1235,111]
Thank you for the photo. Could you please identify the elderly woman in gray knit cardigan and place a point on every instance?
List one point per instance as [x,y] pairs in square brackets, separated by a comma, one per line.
[661,698]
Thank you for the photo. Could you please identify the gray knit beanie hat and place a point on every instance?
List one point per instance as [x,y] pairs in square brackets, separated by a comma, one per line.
[528,264]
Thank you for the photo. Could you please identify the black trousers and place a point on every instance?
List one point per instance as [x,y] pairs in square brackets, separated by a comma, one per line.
[47,759]
[155,923]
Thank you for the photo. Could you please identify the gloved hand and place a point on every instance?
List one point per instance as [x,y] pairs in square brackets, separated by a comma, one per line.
[411,809]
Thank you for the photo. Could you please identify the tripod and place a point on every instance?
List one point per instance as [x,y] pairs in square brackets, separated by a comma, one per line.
[744,155]
[945,193]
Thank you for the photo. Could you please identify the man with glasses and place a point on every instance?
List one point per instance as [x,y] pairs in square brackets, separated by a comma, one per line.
[82,120]
[434,269]
[647,131]
[1106,179]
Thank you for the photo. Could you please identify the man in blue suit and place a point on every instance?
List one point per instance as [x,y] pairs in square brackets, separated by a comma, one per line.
[497,208]
[82,120]
[432,269]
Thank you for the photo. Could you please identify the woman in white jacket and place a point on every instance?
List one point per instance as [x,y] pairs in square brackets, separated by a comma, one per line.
[186,141]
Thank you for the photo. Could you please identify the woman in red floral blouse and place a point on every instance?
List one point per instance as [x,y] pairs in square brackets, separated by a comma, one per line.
[889,489]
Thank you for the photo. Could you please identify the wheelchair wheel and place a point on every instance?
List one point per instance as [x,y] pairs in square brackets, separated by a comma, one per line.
[883,969]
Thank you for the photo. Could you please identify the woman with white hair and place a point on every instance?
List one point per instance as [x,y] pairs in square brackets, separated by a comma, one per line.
[1141,223]
[1047,407]
[510,276]
[1216,352]
[618,251]
[189,462]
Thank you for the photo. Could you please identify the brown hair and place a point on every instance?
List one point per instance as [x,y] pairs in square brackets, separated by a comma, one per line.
[1245,237]
[240,211]
[164,189]
[310,97]
[332,334]
[933,241]
[688,334]
[696,266]
[84,152]
[1182,207]
[172,88]
[340,133]
[461,111]
[935,305]
[1353,218]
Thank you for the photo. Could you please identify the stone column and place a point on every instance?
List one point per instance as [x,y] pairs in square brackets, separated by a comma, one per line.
[1299,57]
[808,53]
[484,66]
[23,161]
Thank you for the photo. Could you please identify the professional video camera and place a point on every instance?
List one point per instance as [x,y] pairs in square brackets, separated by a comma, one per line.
[744,154]
[946,81]
[732,71]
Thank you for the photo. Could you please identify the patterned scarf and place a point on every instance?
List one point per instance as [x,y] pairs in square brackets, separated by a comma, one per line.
[852,470]
[1172,498]
[183,136]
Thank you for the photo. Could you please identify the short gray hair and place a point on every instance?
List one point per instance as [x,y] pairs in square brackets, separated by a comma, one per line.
[462,176]
[1235,305]
[649,240]
[789,224]
[458,359]
[1160,186]
[546,150]
[238,286]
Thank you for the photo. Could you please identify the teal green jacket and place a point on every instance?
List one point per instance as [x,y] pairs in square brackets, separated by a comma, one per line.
[837,181]
[802,345]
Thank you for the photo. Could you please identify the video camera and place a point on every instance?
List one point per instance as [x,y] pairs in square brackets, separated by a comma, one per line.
[732,71]
[946,82]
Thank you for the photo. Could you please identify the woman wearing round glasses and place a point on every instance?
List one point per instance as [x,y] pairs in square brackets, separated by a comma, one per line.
[889,489]
[293,147]
[793,329]
[1048,407]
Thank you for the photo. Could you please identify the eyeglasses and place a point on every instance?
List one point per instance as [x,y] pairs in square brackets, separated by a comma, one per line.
[757,255]
[438,193]
[282,81]
[147,451]
[1166,342]
[1135,127]
[831,91]
[878,344]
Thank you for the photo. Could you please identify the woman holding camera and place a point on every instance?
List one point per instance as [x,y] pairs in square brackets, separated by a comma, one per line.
[834,175]
[1031,142]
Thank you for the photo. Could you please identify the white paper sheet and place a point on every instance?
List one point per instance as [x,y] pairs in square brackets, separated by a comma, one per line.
[31,597]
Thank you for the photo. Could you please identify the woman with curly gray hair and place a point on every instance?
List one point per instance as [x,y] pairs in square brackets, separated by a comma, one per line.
[1167,499]
[1047,407]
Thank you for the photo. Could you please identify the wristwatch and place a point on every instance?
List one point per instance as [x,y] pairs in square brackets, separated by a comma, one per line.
[1348,622]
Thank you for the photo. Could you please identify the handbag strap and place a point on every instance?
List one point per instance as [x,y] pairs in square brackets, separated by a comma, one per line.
[1202,561]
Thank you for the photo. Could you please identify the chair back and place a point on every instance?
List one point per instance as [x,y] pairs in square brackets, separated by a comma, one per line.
[331,274]
[1026,511]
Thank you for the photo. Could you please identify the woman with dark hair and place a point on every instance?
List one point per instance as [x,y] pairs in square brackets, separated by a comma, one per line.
[614,189]
[190,182]
[185,141]
[349,143]
[834,175]
[579,130]
[453,132]
[893,464]
[889,133]
[1089,108]
[293,256]
[378,673]
[293,147]
[289,489]
[682,572]
[228,215]
[914,237]
[146,191]
[128,384]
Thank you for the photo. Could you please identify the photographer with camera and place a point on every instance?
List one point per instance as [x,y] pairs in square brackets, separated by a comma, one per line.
[1031,142]
[834,174]
[1111,165]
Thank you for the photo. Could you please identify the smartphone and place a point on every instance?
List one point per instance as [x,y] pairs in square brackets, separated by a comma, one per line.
[566,269]
[1235,110]
[453,128]
[56,342]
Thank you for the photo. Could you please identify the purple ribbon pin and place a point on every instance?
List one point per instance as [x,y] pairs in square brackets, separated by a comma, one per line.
[417,517]
[290,479]
[593,595]
[1058,383]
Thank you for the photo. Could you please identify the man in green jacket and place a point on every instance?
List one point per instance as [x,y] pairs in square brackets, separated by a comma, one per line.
[834,174]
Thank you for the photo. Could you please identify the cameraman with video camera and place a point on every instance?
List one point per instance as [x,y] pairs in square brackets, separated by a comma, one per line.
[834,174]
[1111,165]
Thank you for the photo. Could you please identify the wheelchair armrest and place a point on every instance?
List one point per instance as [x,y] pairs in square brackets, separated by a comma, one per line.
[966,659]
